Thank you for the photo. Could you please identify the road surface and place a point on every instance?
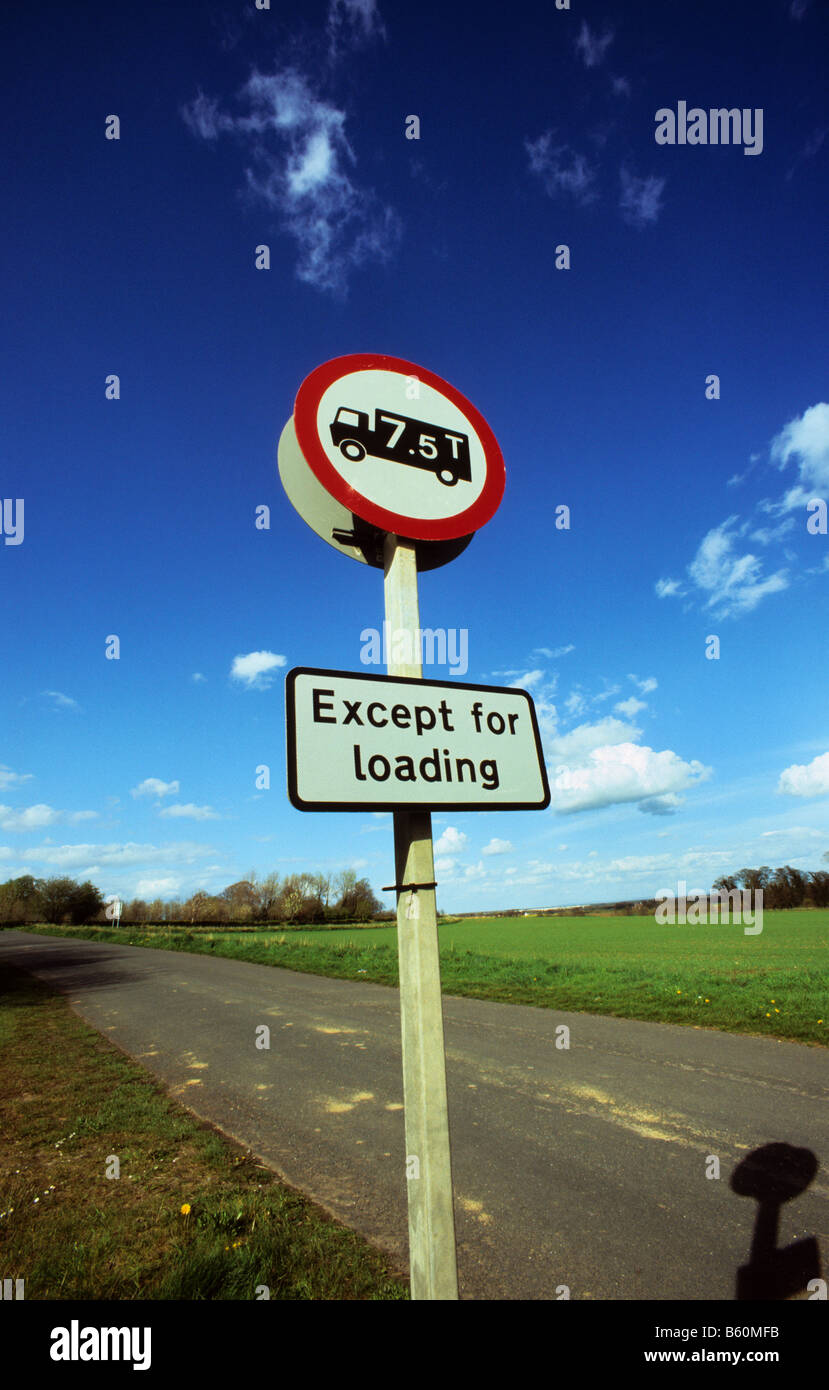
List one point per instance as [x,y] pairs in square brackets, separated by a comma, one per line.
[582,1167]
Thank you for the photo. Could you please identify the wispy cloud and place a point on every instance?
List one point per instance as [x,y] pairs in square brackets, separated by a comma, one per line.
[593,47]
[189,812]
[733,583]
[497,846]
[302,166]
[12,779]
[812,146]
[553,653]
[254,669]
[561,169]
[640,201]
[40,816]
[59,700]
[352,23]
[798,8]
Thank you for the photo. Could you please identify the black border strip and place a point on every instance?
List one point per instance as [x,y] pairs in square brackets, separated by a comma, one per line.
[291,759]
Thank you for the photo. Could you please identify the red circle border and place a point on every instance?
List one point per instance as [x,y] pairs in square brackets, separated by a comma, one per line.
[414,528]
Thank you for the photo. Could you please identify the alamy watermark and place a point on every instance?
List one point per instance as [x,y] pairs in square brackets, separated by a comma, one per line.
[717,126]
[430,646]
[11,516]
[714,908]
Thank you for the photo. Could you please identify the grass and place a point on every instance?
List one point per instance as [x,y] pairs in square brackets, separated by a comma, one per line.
[714,976]
[191,1216]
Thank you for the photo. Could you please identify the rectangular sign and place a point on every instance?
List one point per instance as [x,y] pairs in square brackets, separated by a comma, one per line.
[388,743]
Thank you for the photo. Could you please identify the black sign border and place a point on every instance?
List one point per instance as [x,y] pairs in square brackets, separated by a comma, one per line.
[291,749]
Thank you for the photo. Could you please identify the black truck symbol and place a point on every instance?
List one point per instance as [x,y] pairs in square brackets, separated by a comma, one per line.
[403,440]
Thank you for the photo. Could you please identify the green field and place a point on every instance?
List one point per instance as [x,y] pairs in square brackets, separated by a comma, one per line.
[711,976]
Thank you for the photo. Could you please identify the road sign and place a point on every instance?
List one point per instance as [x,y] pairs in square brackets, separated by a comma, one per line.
[390,743]
[398,447]
[339,526]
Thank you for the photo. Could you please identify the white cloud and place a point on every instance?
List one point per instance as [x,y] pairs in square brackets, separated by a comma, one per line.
[805,438]
[593,47]
[32,818]
[253,669]
[561,169]
[631,707]
[153,786]
[497,846]
[190,812]
[452,841]
[621,86]
[641,198]
[197,677]
[732,582]
[301,167]
[576,746]
[623,772]
[444,866]
[647,685]
[527,680]
[798,8]
[12,779]
[809,780]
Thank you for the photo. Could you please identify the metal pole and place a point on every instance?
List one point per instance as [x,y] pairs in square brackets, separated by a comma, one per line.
[432,1260]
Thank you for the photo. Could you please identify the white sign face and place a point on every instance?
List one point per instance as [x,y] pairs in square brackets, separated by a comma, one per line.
[399,447]
[416,457]
[385,743]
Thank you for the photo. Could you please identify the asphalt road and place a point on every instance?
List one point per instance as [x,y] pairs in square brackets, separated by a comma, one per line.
[583,1167]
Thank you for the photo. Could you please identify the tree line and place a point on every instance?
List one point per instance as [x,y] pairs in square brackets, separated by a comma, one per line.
[296,899]
[784,887]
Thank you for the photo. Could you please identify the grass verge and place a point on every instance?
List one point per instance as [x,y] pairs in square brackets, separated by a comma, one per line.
[192,1215]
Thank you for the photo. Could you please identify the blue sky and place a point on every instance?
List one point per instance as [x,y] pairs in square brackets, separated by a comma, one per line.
[286,127]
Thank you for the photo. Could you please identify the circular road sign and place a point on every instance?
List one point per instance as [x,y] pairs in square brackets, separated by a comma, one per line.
[398,447]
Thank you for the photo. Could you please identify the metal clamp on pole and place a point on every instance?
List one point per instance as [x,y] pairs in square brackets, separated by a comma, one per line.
[406,887]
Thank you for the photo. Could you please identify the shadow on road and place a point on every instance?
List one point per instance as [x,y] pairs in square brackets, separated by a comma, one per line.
[74,968]
[773,1175]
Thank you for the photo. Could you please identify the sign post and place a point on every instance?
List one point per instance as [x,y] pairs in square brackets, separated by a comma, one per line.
[432,1258]
[393,466]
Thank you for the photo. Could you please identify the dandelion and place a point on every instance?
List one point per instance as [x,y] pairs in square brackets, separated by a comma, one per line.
[768,1015]
[185,1208]
[777,1011]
